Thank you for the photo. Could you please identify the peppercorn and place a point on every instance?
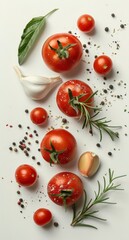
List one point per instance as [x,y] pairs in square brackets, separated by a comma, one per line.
[18,192]
[26,111]
[56,224]
[106,29]
[113,15]
[84,45]
[14,144]
[122,25]
[38,163]
[15,150]
[22,205]
[64,120]
[105,90]
[111,86]
[102,103]
[87,51]
[110,153]
[98,145]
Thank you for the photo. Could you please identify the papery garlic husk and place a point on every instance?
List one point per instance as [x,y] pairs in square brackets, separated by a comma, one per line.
[88,164]
[37,87]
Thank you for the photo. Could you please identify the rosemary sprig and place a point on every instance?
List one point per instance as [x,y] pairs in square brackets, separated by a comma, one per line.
[85,108]
[88,208]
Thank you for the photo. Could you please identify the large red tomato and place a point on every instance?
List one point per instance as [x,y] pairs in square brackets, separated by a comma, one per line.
[61,52]
[74,97]
[65,188]
[58,146]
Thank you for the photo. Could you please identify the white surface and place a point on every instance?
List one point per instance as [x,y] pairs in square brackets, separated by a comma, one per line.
[13,17]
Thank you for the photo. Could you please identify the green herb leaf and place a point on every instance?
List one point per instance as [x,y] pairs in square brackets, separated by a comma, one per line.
[88,209]
[101,124]
[30,35]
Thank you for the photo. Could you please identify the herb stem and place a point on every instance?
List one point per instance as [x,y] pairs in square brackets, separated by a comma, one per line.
[88,210]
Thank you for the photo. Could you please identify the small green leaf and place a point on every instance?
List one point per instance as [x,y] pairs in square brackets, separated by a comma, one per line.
[30,34]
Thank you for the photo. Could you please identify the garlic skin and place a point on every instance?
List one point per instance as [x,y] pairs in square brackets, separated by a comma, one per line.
[88,164]
[37,87]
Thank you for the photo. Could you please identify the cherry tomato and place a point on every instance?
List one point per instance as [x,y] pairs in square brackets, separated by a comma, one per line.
[102,65]
[26,175]
[42,216]
[61,52]
[69,95]
[86,23]
[65,188]
[38,116]
[58,146]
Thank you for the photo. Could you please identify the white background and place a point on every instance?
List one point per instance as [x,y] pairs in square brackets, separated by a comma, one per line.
[14,15]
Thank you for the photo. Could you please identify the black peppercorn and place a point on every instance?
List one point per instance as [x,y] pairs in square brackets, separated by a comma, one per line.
[106,29]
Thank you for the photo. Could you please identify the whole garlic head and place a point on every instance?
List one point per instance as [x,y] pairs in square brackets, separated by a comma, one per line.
[88,164]
[37,87]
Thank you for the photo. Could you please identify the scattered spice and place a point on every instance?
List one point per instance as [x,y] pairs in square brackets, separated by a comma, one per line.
[113,15]
[26,111]
[122,26]
[18,192]
[56,224]
[106,29]
[111,87]
[98,145]
[38,163]
[110,153]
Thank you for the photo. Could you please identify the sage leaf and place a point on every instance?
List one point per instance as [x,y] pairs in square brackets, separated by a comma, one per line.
[30,34]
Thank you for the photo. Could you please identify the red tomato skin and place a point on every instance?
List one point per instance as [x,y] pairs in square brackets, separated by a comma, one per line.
[77,87]
[42,216]
[103,65]
[38,116]
[26,175]
[86,23]
[51,58]
[65,181]
[61,140]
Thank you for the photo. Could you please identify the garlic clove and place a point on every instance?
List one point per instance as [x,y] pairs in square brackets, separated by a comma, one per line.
[88,164]
[37,87]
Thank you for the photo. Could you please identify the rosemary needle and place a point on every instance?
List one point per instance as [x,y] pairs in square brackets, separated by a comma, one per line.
[88,208]
[101,124]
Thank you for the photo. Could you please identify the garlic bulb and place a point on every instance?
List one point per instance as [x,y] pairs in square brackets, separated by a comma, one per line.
[37,87]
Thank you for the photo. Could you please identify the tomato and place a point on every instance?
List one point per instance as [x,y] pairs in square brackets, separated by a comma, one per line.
[42,216]
[65,188]
[58,146]
[61,52]
[102,65]
[86,23]
[69,96]
[26,175]
[38,116]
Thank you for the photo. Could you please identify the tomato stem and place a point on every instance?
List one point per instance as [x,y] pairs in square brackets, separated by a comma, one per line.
[64,194]
[62,51]
[53,154]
